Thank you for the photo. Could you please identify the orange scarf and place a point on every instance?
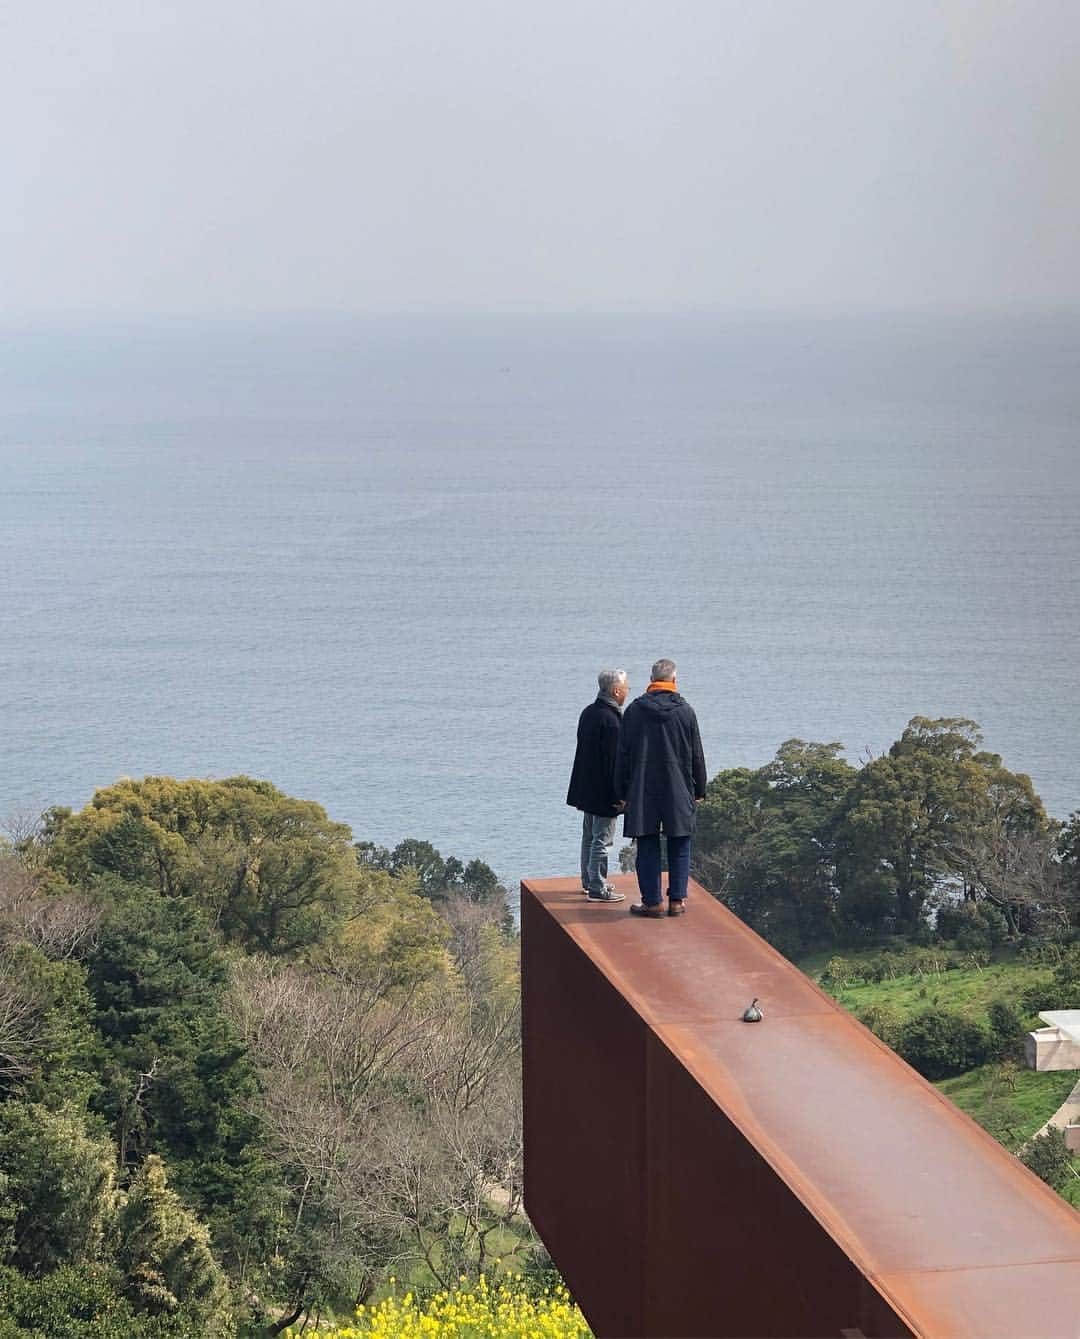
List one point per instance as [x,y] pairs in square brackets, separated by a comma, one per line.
[661,686]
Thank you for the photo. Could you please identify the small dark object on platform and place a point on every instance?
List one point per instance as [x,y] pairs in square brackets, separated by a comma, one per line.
[753,1014]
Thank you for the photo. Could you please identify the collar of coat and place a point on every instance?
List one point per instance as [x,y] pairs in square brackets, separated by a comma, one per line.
[608,701]
[661,686]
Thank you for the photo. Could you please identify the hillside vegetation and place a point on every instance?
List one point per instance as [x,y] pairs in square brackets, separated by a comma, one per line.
[247,1069]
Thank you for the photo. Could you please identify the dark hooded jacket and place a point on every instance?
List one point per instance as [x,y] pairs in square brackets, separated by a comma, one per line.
[660,769]
[592,781]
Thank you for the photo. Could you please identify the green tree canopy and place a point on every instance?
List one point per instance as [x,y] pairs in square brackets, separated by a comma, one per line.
[765,841]
[274,873]
[435,877]
[935,810]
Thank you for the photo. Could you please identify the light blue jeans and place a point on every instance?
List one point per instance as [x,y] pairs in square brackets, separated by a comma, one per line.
[597,834]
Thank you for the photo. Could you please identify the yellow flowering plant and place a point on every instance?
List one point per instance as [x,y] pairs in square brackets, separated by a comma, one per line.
[509,1309]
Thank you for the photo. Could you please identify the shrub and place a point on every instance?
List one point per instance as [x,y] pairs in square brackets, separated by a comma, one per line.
[840,972]
[883,1021]
[940,1043]
[909,960]
[1006,1031]
[972,925]
[1047,1156]
[80,1302]
[1062,991]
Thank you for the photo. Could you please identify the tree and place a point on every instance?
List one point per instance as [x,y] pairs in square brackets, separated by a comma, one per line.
[902,814]
[1068,847]
[49,1050]
[165,1253]
[329,1043]
[448,1168]
[43,910]
[57,1187]
[728,820]
[435,877]
[938,817]
[390,1101]
[765,842]
[394,936]
[275,873]
[177,1079]
[1006,855]
[424,860]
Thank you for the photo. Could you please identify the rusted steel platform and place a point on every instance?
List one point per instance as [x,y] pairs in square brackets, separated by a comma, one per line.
[693,1175]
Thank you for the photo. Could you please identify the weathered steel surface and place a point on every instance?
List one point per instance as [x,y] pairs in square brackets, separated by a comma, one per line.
[693,1174]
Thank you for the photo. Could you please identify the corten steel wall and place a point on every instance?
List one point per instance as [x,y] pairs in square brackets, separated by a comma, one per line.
[695,1175]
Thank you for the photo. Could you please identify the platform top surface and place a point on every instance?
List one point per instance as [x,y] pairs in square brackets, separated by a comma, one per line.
[910,1188]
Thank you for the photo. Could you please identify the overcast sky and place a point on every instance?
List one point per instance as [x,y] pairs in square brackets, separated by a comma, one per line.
[236,156]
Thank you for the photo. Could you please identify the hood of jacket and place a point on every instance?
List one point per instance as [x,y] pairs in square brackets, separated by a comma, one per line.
[660,704]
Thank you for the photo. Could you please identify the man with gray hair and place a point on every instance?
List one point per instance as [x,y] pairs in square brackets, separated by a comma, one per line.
[660,777]
[592,782]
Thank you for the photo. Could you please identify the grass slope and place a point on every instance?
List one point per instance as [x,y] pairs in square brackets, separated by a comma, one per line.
[968,991]
[1010,1102]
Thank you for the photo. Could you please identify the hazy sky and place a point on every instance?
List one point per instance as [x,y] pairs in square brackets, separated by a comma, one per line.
[373,155]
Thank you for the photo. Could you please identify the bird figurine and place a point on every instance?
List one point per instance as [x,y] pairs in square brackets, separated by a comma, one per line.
[753,1014]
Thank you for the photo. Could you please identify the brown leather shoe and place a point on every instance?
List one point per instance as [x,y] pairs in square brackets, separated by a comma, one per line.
[676,906]
[653,913]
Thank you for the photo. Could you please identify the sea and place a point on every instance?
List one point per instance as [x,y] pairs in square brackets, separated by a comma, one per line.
[379,561]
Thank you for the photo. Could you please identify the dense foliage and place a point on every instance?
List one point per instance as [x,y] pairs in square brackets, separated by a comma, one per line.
[246,1068]
[935,836]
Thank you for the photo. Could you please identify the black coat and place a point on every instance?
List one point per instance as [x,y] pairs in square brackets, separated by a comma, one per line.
[660,769]
[592,781]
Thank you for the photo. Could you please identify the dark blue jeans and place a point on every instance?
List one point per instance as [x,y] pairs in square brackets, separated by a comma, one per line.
[648,868]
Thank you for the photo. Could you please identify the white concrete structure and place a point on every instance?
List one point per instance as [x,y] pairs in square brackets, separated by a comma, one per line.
[1056,1046]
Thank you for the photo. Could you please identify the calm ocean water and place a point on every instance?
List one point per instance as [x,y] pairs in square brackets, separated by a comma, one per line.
[380,563]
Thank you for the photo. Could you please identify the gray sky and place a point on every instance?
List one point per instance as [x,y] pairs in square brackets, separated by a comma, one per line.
[370,155]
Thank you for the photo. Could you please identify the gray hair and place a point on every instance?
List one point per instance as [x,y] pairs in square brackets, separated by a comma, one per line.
[607,679]
[662,671]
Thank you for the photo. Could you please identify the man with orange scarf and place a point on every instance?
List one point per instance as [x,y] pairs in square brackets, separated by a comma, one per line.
[660,774]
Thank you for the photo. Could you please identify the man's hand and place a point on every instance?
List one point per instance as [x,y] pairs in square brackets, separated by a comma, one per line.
[620,805]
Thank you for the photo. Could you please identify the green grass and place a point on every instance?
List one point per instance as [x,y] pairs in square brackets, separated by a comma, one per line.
[967,990]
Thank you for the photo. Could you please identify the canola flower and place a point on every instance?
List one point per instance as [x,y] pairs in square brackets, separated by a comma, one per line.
[507,1310]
